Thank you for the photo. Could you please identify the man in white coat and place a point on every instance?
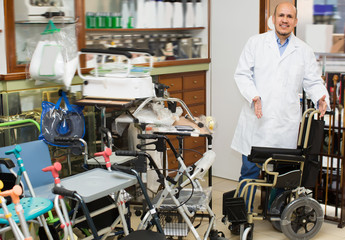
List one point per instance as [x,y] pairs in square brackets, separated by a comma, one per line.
[272,70]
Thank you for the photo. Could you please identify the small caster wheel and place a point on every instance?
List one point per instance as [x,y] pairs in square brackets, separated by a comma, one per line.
[137,213]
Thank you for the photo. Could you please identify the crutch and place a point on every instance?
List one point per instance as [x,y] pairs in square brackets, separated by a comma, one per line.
[63,215]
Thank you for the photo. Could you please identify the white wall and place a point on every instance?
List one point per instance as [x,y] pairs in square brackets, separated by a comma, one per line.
[3,65]
[232,23]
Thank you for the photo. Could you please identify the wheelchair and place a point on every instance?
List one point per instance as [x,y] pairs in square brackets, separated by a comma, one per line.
[290,172]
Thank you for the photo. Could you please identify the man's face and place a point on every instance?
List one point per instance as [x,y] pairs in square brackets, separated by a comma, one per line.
[285,19]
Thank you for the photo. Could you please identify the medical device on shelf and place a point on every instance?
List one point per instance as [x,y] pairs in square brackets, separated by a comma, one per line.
[115,76]
[40,10]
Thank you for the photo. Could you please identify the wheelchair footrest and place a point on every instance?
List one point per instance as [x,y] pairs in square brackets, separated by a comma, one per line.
[234,208]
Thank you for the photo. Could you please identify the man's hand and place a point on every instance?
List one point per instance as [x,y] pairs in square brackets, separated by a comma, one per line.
[322,105]
[257,106]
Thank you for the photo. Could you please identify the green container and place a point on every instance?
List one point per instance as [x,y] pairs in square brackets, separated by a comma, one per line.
[90,20]
[100,20]
[108,21]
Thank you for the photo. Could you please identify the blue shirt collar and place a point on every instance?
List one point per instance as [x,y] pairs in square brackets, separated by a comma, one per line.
[284,46]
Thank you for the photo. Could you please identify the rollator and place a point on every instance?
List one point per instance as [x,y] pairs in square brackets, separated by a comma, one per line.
[175,198]
[105,182]
[294,211]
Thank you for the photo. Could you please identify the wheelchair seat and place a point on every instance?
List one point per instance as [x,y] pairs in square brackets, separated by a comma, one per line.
[306,154]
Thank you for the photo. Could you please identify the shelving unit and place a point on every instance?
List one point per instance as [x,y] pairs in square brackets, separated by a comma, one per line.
[141,29]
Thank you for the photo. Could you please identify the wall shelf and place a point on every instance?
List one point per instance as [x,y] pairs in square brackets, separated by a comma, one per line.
[141,29]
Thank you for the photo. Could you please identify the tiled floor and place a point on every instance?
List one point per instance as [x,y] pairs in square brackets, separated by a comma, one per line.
[263,230]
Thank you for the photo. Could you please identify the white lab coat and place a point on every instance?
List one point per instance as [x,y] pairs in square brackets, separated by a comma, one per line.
[278,80]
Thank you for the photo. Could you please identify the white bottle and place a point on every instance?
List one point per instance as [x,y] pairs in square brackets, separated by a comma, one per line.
[125,13]
[140,22]
[178,14]
[151,14]
[168,13]
[199,18]
[132,15]
[160,13]
[189,15]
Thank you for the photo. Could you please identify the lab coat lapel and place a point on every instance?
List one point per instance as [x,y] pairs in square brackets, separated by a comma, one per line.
[272,43]
[291,47]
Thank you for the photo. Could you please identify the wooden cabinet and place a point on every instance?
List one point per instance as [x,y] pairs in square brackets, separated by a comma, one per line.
[191,88]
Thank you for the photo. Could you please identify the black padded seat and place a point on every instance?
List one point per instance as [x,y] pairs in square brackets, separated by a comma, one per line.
[261,154]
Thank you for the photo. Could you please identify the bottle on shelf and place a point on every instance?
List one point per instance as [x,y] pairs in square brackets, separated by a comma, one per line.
[125,13]
[140,21]
[160,13]
[150,14]
[168,13]
[132,16]
[90,20]
[178,14]
[189,14]
[199,19]
[100,20]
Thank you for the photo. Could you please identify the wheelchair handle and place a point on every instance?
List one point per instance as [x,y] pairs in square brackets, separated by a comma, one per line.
[54,169]
[126,153]
[67,139]
[15,151]
[148,51]
[106,51]
[14,193]
[148,136]
[63,192]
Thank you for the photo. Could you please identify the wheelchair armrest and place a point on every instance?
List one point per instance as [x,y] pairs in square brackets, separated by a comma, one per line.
[7,162]
[261,154]
[286,157]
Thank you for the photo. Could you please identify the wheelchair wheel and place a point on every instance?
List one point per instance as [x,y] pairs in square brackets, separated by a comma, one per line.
[302,218]
[248,232]
[277,207]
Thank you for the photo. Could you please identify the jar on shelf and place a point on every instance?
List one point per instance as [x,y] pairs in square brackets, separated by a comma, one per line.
[90,20]
[100,20]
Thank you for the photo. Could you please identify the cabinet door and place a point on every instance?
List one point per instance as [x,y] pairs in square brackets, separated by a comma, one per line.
[194,81]
[174,83]
[194,97]
[197,110]
[194,142]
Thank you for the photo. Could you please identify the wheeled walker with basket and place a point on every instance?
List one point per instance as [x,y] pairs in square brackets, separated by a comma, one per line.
[293,211]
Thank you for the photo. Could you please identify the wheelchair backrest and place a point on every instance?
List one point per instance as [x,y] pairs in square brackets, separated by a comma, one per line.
[312,135]
[35,156]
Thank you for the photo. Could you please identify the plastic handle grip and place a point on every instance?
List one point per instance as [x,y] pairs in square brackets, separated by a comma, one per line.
[66,139]
[54,169]
[63,192]
[148,51]
[106,51]
[126,153]
[106,153]
[14,193]
[147,136]
[15,151]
